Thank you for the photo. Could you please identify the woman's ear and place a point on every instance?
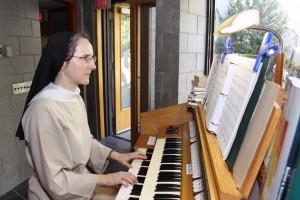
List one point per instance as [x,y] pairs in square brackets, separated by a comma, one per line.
[65,64]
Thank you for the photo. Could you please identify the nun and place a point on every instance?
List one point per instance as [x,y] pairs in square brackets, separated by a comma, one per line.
[58,143]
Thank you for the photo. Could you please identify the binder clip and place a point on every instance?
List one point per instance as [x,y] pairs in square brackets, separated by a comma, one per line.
[266,50]
[227,49]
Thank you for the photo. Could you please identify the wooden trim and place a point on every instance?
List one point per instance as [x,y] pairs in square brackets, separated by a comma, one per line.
[134,30]
[100,74]
[220,181]
[279,68]
[122,115]
[144,60]
[152,121]
[72,16]
[134,74]
[211,184]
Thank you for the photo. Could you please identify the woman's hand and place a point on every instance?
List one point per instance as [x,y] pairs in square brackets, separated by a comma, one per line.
[124,178]
[123,158]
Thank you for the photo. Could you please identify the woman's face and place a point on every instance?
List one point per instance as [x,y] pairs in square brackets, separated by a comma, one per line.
[78,69]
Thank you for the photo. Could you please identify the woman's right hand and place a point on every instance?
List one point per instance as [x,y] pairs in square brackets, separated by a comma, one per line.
[124,178]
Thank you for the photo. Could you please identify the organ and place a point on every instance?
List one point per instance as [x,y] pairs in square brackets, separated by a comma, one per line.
[203,172]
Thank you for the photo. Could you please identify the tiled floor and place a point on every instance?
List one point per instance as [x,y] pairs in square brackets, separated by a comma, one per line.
[20,191]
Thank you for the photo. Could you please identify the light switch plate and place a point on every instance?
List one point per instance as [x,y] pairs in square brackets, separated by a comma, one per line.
[7,51]
[19,88]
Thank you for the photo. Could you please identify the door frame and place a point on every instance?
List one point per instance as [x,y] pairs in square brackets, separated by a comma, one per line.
[135,32]
[122,116]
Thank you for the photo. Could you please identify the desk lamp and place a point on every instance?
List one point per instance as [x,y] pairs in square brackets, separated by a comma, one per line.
[249,19]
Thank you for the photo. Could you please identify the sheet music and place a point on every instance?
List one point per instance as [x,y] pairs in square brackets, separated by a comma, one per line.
[243,83]
[230,91]
[212,76]
[219,91]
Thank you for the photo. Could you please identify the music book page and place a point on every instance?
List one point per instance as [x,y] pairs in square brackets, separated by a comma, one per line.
[219,92]
[242,86]
[212,76]
[226,102]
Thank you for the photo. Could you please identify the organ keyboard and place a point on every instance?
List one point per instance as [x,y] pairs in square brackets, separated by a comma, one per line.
[171,173]
[161,178]
[199,173]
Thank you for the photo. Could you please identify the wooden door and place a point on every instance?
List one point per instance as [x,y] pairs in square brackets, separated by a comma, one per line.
[122,67]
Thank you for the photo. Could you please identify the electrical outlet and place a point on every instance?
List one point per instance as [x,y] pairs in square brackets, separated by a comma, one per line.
[21,87]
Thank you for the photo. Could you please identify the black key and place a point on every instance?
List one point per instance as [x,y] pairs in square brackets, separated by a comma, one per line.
[166,196]
[171,161]
[167,189]
[140,179]
[133,198]
[167,185]
[171,151]
[173,139]
[149,150]
[136,190]
[168,145]
[171,157]
[149,156]
[170,167]
[145,163]
[143,171]
[169,174]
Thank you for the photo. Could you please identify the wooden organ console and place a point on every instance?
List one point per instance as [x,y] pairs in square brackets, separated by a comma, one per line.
[202,172]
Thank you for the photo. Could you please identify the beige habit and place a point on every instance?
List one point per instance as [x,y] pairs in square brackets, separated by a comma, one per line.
[59,145]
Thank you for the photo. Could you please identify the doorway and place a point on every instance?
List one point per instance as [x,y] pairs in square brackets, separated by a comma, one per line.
[122,76]
[56,16]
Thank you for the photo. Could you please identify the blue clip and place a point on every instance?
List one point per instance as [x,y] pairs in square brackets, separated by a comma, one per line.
[266,50]
[227,49]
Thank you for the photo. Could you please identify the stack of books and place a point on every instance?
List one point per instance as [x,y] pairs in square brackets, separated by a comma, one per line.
[198,88]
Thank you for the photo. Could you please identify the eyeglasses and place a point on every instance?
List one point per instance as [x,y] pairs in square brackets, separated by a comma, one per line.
[87,59]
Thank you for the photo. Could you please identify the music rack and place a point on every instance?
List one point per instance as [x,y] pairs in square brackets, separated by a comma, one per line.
[221,184]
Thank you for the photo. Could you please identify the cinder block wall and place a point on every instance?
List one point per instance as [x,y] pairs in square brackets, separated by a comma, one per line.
[180,48]
[20,29]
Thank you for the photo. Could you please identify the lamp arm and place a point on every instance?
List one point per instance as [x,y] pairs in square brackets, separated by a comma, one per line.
[277,35]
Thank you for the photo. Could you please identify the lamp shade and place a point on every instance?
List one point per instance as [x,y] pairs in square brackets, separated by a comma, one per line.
[238,22]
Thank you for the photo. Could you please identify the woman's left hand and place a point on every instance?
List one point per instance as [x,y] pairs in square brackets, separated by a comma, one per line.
[123,158]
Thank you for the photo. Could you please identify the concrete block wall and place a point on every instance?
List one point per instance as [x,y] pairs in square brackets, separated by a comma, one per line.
[192,44]
[180,48]
[20,29]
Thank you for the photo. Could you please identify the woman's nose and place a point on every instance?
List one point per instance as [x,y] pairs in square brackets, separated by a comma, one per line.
[92,65]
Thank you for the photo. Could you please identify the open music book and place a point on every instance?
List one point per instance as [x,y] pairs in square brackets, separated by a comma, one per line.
[228,96]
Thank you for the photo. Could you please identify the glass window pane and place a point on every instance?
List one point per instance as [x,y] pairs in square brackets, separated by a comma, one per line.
[125,60]
[279,15]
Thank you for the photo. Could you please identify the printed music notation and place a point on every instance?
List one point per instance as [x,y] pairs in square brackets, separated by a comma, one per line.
[228,97]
